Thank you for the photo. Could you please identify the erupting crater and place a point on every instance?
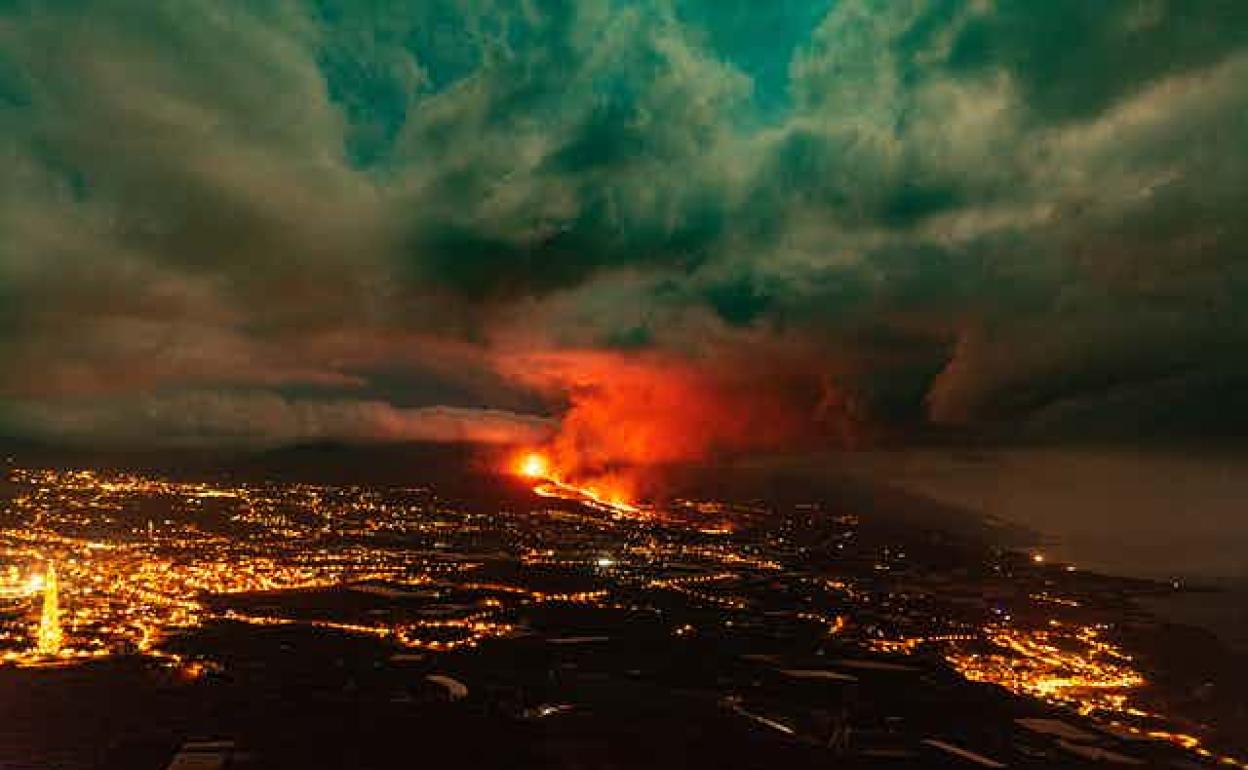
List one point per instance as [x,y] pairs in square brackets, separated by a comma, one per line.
[549,483]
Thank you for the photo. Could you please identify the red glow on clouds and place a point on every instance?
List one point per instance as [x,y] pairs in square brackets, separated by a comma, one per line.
[626,412]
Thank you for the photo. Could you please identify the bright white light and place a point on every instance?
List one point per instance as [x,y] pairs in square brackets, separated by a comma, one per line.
[535,466]
[605,561]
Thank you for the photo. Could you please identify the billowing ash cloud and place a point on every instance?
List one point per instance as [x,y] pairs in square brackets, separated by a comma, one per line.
[807,220]
[647,408]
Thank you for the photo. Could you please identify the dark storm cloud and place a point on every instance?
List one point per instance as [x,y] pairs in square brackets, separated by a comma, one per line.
[1057,52]
[966,211]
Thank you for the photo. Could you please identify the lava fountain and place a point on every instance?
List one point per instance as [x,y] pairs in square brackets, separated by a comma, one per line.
[534,466]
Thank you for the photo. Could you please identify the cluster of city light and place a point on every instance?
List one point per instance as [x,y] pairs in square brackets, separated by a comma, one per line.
[834,625]
[153,576]
[1072,665]
[1068,664]
[1049,598]
[729,556]
[908,645]
[412,635]
[685,587]
[128,592]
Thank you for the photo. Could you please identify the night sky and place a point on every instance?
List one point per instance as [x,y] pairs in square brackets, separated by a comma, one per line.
[656,229]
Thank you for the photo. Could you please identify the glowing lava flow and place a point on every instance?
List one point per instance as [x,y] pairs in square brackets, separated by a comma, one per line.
[537,467]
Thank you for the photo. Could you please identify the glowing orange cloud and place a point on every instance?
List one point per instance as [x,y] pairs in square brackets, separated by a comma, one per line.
[626,411]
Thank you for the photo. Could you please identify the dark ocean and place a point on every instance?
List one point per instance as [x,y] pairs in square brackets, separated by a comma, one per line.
[1224,612]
